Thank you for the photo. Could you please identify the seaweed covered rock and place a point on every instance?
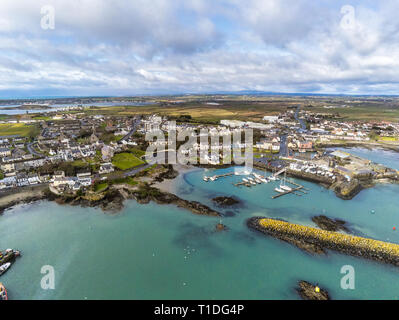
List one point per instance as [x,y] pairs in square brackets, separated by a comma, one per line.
[308,291]
[225,201]
[329,224]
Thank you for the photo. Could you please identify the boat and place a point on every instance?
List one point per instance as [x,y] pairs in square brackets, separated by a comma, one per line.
[279,190]
[206,179]
[4,267]
[3,292]
[245,180]
[282,184]
[286,188]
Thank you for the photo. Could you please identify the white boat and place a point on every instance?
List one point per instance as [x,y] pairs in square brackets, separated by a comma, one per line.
[279,190]
[264,180]
[286,188]
[4,267]
[245,180]
[206,179]
[256,175]
[252,182]
[272,178]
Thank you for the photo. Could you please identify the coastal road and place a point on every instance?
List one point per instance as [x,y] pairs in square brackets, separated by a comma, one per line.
[137,169]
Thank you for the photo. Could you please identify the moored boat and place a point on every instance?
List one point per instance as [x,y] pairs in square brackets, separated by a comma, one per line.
[4,267]
[286,188]
[3,292]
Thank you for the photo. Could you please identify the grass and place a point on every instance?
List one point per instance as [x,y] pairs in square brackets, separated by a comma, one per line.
[100,187]
[20,129]
[127,180]
[41,118]
[125,161]
[79,163]
[137,152]
[387,139]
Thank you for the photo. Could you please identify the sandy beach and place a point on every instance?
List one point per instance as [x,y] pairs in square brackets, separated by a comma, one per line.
[169,185]
[23,195]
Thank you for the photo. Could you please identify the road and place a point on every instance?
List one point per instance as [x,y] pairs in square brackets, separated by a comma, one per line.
[137,169]
[32,151]
[131,132]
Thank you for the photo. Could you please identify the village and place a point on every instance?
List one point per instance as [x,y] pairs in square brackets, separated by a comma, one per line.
[75,151]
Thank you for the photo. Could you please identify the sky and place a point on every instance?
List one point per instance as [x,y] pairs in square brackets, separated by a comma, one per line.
[132,47]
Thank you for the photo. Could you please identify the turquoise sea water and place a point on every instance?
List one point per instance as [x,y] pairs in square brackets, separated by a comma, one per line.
[163,252]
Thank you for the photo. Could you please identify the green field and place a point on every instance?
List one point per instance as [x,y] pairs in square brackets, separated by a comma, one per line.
[100,187]
[125,161]
[21,129]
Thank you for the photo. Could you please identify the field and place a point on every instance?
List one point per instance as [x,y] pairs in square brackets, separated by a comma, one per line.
[208,109]
[125,161]
[21,129]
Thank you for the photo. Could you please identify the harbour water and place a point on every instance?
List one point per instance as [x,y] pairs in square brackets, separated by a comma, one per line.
[163,252]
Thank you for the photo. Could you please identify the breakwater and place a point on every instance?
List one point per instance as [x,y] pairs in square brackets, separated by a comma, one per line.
[320,239]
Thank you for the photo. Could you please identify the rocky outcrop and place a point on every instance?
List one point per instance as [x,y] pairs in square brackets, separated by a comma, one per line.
[226,201]
[328,224]
[308,291]
[113,200]
[146,194]
[110,201]
[169,173]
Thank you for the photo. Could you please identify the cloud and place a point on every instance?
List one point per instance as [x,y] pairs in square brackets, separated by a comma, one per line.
[130,47]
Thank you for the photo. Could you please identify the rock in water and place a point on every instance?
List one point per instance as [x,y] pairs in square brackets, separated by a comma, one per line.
[308,291]
[329,224]
[225,201]
[220,227]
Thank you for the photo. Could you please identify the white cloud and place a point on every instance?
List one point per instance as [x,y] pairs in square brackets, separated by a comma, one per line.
[122,47]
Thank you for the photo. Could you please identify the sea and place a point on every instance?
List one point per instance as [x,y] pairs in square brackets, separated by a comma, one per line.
[156,251]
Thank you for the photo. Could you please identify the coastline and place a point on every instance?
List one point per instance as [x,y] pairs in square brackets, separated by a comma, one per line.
[366,145]
[24,195]
[169,185]
[159,188]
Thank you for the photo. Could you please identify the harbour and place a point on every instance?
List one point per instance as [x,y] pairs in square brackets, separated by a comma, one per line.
[155,239]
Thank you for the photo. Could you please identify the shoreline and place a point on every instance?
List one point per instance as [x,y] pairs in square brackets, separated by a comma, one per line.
[169,185]
[24,196]
[365,145]
[159,188]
